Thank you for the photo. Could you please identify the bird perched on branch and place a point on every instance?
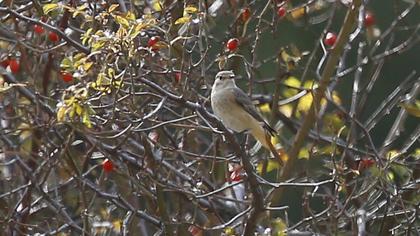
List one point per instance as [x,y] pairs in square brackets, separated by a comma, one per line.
[236,110]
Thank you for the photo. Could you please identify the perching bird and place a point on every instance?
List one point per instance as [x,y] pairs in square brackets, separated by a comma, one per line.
[235,109]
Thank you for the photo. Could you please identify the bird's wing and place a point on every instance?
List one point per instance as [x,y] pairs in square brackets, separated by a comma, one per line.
[245,102]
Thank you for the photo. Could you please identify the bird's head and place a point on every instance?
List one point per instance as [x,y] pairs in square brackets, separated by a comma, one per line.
[224,79]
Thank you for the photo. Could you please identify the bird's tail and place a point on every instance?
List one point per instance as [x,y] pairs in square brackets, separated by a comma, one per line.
[263,136]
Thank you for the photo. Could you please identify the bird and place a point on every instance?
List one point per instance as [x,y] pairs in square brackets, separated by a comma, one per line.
[236,110]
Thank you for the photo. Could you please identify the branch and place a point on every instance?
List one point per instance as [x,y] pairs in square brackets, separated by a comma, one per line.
[310,119]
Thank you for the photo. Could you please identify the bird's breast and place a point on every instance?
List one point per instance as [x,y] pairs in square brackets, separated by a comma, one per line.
[232,115]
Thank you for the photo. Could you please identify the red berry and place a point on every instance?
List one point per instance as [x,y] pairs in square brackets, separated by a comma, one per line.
[245,14]
[236,175]
[14,66]
[366,163]
[232,44]
[369,19]
[178,77]
[53,37]
[67,77]
[5,63]
[38,29]
[152,41]
[154,136]
[281,11]
[194,230]
[107,165]
[330,39]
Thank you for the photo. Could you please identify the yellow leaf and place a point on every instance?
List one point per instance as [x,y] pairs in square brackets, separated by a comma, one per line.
[290,60]
[336,98]
[183,20]
[229,231]
[72,111]
[292,82]
[79,56]
[86,120]
[79,10]
[392,154]
[130,15]
[87,66]
[25,131]
[111,73]
[279,227]
[283,155]
[190,10]
[122,21]
[310,84]
[61,114]
[412,109]
[98,45]
[86,36]
[416,154]
[113,7]
[305,102]
[79,109]
[303,153]
[265,108]
[66,63]
[274,140]
[298,13]
[69,101]
[157,5]
[26,146]
[333,123]
[390,176]
[271,165]
[117,225]
[47,8]
[286,110]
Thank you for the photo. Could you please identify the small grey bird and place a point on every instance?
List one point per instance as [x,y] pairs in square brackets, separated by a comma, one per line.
[235,109]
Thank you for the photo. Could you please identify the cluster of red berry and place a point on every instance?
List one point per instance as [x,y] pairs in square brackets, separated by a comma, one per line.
[233,43]
[13,64]
[368,21]
[52,36]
